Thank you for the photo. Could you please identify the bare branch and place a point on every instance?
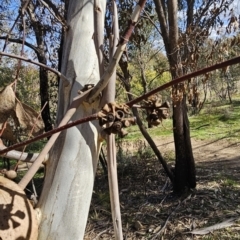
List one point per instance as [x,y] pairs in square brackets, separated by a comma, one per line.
[20,156]
[151,21]
[54,11]
[9,32]
[161,12]
[109,96]
[20,41]
[36,63]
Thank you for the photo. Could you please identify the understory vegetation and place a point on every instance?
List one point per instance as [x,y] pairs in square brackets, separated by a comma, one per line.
[149,208]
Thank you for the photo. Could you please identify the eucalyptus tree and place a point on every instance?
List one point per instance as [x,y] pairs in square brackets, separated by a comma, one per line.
[185,25]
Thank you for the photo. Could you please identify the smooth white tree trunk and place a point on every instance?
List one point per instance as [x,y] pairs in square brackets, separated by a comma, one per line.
[68,186]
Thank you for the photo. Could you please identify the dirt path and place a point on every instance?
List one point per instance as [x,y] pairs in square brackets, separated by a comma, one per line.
[219,151]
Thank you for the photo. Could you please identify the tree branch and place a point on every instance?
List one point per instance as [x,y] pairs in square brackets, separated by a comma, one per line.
[36,63]
[20,41]
[118,53]
[160,9]
[109,96]
[54,11]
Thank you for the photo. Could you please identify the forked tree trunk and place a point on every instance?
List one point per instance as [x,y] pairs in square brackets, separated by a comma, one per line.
[185,175]
[67,191]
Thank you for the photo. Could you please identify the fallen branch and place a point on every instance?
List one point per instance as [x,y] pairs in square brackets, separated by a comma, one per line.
[227,223]
[204,125]
[165,224]
[99,235]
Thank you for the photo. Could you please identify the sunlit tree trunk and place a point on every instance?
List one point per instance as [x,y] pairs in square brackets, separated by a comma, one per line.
[67,191]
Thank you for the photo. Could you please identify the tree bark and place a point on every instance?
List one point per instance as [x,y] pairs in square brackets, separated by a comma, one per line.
[67,190]
[43,73]
[185,176]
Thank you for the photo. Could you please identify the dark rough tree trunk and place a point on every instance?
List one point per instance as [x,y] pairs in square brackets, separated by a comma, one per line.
[43,73]
[44,95]
[185,175]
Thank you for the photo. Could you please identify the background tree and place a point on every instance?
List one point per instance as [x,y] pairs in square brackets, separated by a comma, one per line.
[39,29]
[182,38]
[141,70]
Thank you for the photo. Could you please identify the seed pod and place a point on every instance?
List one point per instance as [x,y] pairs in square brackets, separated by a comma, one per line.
[120,114]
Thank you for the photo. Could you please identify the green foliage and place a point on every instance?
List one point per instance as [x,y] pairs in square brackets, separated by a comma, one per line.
[217,122]
[27,84]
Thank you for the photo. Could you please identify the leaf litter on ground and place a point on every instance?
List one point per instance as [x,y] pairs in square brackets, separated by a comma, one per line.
[151,211]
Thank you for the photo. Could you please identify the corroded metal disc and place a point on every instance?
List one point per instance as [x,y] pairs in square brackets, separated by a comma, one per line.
[17,217]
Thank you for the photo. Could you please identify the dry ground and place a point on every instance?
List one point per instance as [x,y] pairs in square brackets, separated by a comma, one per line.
[150,210]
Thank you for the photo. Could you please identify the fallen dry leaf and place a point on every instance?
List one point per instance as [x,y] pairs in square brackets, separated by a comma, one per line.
[28,118]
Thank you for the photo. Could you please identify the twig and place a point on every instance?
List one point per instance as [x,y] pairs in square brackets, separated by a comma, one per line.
[54,12]
[36,63]
[165,224]
[20,41]
[149,18]
[9,32]
[204,125]
[96,238]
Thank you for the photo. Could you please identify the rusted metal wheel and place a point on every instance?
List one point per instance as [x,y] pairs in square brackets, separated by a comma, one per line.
[17,216]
